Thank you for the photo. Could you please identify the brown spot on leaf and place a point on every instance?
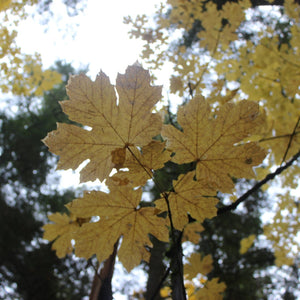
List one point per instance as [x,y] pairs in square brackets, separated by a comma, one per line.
[118,157]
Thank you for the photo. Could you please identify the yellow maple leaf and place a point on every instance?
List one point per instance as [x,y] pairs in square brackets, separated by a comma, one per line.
[115,127]
[120,215]
[191,232]
[246,243]
[4,4]
[214,142]
[63,231]
[142,163]
[283,228]
[198,264]
[189,196]
[211,291]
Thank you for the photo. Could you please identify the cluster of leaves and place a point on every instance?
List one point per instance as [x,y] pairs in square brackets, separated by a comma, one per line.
[33,79]
[220,53]
[211,142]
[123,134]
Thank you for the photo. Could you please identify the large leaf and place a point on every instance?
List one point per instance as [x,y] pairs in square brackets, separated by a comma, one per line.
[115,126]
[120,215]
[214,141]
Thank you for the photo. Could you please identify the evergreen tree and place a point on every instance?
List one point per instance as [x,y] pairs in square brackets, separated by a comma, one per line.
[29,269]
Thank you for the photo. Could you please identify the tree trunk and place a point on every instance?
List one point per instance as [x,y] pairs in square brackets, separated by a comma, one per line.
[177,280]
[101,288]
[157,270]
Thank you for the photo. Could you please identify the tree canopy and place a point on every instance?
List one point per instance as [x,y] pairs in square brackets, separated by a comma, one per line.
[28,267]
[230,51]
[21,73]
[204,199]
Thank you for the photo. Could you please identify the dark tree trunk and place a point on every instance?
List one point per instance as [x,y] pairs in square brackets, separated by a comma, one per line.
[177,280]
[101,288]
[157,270]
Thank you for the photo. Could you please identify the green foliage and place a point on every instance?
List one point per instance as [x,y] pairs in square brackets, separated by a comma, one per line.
[28,267]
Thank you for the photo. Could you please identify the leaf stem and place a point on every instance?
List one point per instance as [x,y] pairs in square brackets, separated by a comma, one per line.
[164,194]
[176,265]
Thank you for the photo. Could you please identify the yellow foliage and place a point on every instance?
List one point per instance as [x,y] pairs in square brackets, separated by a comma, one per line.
[124,126]
[191,232]
[283,228]
[141,165]
[198,264]
[120,215]
[189,196]
[212,290]
[264,71]
[4,4]
[21,74]
[63,232]
[165,292]
[121,135]
[211,141]
[264,68]
[246,243]
[119,129]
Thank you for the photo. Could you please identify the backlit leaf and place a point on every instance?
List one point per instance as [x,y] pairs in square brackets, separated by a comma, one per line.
[63,231]
[141,165]
[114,126]
[120,215]
[189,197]
[197,264]
[212,141]
[246,243]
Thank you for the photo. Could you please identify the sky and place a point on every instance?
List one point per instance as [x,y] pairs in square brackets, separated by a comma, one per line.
[100,39]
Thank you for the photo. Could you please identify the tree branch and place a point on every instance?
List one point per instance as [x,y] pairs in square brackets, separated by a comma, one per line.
[269,177]
[290,141]
[101,288]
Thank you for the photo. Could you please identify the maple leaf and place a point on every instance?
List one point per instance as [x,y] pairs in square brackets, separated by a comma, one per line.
[120,215]
[212,290]
[246,243]
[115,127]
[142,163]
[63,231]
[198,264]
[212,141]
[191,232]
[189,196]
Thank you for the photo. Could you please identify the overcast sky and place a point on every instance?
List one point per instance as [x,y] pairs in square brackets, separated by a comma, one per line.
[100,39]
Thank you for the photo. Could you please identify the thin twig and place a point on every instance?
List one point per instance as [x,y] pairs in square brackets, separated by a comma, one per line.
[290,141]
[165,195]
[277,137]
[269,177]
